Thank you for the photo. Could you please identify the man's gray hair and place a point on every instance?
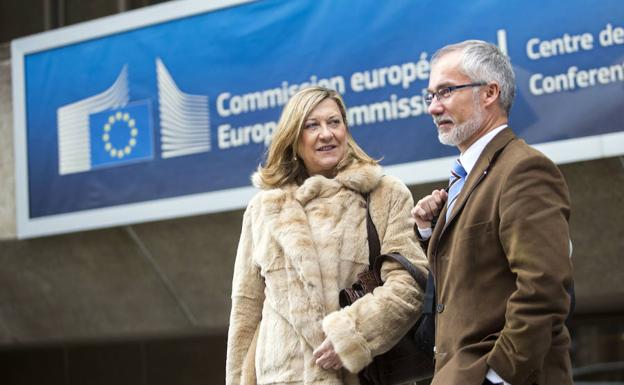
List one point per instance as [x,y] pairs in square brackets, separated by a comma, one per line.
[484,62]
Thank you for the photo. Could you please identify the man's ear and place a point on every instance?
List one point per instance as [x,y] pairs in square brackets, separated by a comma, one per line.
[492,93]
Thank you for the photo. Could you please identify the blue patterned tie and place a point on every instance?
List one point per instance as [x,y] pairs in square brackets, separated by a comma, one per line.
[456,182]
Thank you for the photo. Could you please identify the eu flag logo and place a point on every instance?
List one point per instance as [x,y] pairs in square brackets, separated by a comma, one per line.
[120,136]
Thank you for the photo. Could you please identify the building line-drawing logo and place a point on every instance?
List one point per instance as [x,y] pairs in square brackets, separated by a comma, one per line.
[107,129]
[73,124]
[184,118]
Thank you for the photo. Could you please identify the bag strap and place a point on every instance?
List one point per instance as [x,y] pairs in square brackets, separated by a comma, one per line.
[374,247]
[419,276]
[374,251]
[429,303]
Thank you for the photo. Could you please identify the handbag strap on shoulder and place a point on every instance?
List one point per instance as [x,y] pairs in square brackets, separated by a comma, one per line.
[374,247]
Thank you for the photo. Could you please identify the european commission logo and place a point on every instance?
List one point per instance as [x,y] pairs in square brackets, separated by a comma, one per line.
[121,136]
[107,130]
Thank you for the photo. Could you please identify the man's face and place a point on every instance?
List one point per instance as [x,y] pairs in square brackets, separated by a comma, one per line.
[459,116]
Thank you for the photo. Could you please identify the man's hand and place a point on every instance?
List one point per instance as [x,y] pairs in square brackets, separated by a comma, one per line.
[428,208]
[326,356]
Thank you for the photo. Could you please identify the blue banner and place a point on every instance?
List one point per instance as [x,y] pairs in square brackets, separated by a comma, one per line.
[183,106]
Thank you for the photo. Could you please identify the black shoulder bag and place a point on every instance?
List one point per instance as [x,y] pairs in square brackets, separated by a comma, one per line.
[411,359]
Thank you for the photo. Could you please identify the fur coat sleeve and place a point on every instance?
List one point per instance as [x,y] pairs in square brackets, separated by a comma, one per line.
[246,309]
[374,323]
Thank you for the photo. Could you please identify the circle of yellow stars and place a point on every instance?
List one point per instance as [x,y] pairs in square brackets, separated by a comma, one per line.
[120,152]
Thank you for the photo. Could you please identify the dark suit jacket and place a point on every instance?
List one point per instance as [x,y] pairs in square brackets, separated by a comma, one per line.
[502,267]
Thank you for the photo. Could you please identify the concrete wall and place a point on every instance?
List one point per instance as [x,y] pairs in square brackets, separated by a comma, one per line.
[7,180]
[163,278]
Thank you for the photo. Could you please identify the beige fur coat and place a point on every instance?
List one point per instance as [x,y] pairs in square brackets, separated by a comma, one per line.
[299,246]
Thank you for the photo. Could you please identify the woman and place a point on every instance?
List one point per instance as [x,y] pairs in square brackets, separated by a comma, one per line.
[303,240]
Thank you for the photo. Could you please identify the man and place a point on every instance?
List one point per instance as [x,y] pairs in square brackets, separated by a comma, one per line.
[500,253]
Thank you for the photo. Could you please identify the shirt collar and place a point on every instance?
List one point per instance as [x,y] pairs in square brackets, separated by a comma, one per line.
[469,157]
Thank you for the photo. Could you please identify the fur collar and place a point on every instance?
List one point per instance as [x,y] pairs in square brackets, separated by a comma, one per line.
[361,178]
[357,176]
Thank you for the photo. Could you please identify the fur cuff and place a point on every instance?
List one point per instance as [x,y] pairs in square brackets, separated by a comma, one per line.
[350,346]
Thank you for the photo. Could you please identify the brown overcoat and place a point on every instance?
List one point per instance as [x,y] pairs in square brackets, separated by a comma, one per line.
[502,268]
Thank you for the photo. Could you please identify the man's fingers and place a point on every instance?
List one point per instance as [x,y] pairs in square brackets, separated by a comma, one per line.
[432,208]
[423,212]
[435,205]
[440,197]
[429,207]
[423,208]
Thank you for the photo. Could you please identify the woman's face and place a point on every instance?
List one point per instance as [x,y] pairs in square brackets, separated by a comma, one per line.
[323,141]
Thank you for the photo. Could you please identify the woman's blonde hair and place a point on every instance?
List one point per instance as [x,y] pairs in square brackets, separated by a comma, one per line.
[282,166]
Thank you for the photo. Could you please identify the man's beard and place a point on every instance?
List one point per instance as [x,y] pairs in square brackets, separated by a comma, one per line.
[461,132]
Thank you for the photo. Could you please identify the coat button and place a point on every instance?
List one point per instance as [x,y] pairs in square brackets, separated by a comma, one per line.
[440,307]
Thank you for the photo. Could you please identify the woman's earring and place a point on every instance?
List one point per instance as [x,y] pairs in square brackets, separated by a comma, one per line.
[295,158]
